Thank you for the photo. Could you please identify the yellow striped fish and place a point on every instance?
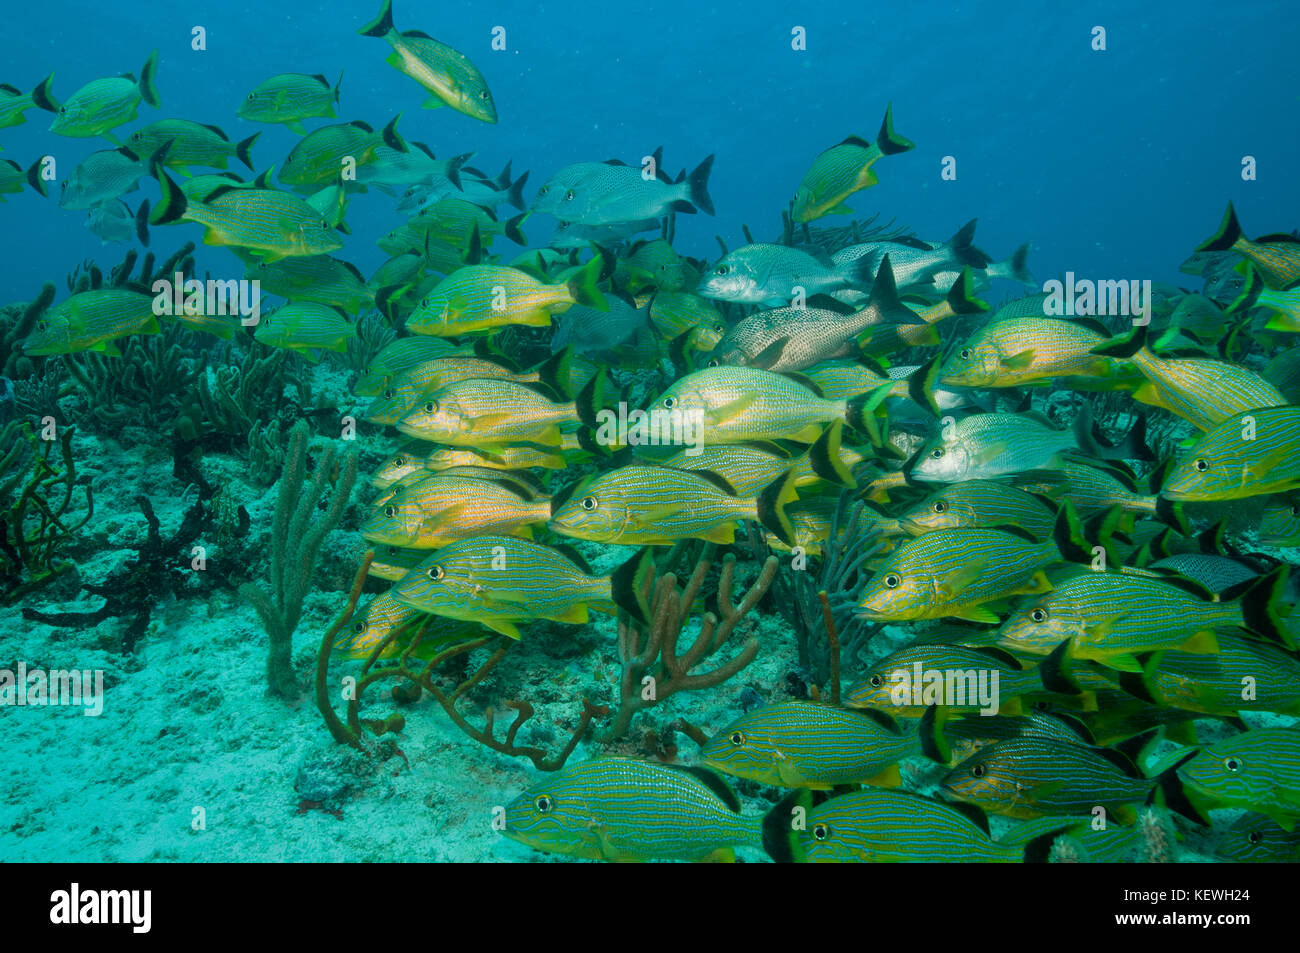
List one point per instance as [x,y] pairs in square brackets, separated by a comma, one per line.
[307,328]
[317,158]
[13,102]
[983,504]
[618,809]
[191,143]
[104,104]
[289,98]
[1013,352]
[91,321]
[499,581]
[1249,454]
[1277,257]
[485,297]
[430,511]
[396,357]
[318,278]
[1258,770]
[799,744]
[844,169]
[490,412]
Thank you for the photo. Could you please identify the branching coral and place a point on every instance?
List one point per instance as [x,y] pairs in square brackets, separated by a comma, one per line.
[144,386]
[654,666]
[297,534]
[36,497]
[16,322]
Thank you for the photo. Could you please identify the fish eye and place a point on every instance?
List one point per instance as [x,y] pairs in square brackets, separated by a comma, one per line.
[1201,466]
[359,628]
[876,681]
[40,326]
[736,738]
[966,353]
[543,804]
[568,196]
[978,770]
[892,581]
[821,832]
[937,452]
[940,506]
[399,461]
[542,191]
[249,98]
[1039,615]
[431,407]
[713,362]
[721,270]
[1042,705]
[1295,509]
[1255,837]
[719,327]
[435,573]
[1232,764]
[483,94]
[388,394]
[390,511]
[670,402]
[589,503]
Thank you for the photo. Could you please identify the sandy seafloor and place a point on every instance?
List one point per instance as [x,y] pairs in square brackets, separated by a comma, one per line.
[188,723]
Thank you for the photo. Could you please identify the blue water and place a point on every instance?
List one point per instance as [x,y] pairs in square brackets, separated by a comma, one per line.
[1112,163]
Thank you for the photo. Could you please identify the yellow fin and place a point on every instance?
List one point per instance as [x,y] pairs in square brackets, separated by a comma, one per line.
[889,778]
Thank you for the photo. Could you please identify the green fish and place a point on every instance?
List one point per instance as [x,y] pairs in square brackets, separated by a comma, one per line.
[318,278]
[268,223]
[505,457]
[446,73]
[394,358]
[490,412]
[1275,257]
[104,104]
[980,504]
[844,169]
[1250,454]
[1020,351]
[486,297]
[906,682]
[877,826]
[13,178]
[749,468]
[653,265]
[289,98]
[619,809]
[433,509]
[393,562]
[1258,770]
[191,143]
[306,327]
[385,614]
[1113,617]
[1256,838]
[499,581]
[1284,303]
[13,103]
[318,158]
[799,744]
[656,506]
[1279,523]
[91,321]
[679,312]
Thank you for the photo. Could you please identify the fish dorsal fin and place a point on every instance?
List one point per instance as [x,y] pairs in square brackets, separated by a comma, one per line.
[574,557]
[354,269]
[1120,760]
[566,492]
[614,162]
[1189,586]
[417,35]
[9,89]
[1018,531]
[1092,324]
[972,813]
[803,381]
[717,480]
[215,129]
[881,718]
[1000,655]
[362,125]
[219,191]
[713,782]
[321,79]
[424,147]
[865,144]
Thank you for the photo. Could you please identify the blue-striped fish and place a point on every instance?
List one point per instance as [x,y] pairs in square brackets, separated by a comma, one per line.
[645,505]
[1279,523]
[748,468]
[396,357]
[798,744]
[485,297]
[982,504]
[266,222]
[92,320]
[1202,391]
[619,809]
[1258,770]
[1113,617]
[307,328]
[446,73]
[1013,352]
[428,511]
[984,446]
[318,157]
[386,616]
[1256,838]
[1283,303]
[14,102]
[103,104]
[499,581]
[1276,257]
[489,412]
[289,98]
[319,278]
[1249,454]
[189,143]
[877,826]
[844,169]
[953,677]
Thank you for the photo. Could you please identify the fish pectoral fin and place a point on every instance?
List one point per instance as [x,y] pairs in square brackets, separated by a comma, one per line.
[1204,642]
[723,855]
[1123,663]
[976,614]
[574,614]
[433,102]
[731,410]
[1020,360]
[295,125]
[502,626]
[889,778]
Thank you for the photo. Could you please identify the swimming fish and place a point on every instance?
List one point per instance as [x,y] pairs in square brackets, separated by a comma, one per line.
[318,157]
[984,504]
[189,143]
[92,321]
[773,275]
[319,278]
[485,297]
[608,193]
[113,221]
[13,102]
[1257,838]
[428,510]
[13,178]
[1249,454]
[620,809]
[446,73]
[1013,352]
[307,327]
[906,682]
[289,98]
[1275,257]
[1258,770]
[101,177]
[103,104]
[489,412]
[844,169]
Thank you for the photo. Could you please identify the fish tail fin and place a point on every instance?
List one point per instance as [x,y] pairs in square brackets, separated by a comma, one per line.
[590,399]
[1251,288]
[514,229]
[1056,670]
[382,25]
[861,413]
[1069,536]
[884,300]
[934,742]
[1132,447]
[1139,684]
[583,286]
[338,87]
[172,205]
[1017,266]
[43,95]
[556,372]
[1227,235]
[392,138]
[961,296]
[148,88]
[780,835]
[824,456]
[697,186]
[34,178]
[243,150]
[629,582]
[1125,345]
[142,223]
[1170,792]
[515,196]
[1261,600]
[1172,514]
[921,383]
[963,251]
[454,165]
[771,505]
[889,142]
